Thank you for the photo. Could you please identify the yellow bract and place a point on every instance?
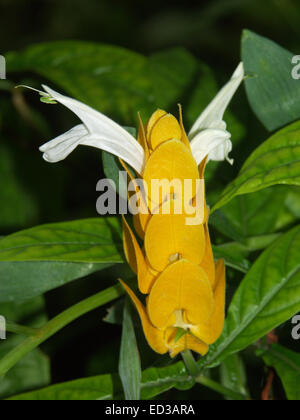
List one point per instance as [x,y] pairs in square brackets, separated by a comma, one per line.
[176,269]
[168,234]
[172,162]
[166,128]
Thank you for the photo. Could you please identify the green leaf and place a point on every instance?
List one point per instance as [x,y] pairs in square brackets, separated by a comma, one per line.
[155,381]
[33,371]
[272,91]
[36,260]
[114,80]
[268,296]
[233,374]
[234,255]
[18,206]
[291,211]
[255,214]
[287,365]
[87,389]
[130,363]
[276,161]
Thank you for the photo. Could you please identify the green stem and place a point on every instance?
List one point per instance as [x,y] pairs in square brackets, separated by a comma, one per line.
[190,363]
[20,329]
[215,386]
[57,323]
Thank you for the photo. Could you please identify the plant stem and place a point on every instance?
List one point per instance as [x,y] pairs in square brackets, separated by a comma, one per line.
[215,386]
[190,363]
[194,371]
[57,323]
[20,329]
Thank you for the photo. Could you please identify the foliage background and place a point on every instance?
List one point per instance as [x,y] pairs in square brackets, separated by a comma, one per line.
[33,192]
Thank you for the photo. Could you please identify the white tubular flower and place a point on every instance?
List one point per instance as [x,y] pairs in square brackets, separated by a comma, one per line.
[97,131]
[208,135]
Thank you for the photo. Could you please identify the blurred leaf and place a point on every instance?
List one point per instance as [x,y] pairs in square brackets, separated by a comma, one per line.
[272,91]
[254,214]
[95,388]
[33,371]
[267,297]
[234,255]
[220,221]
[31,312]
[233,374]
[18,207]
[291,211]
[106,387]
[172,75]
[276,161]
[113,80]
[45,257]
[287,365]
[130,362]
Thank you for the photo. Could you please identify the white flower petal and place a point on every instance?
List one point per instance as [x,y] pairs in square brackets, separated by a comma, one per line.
[212,117]
[98,131]
[59,148]
[215,144]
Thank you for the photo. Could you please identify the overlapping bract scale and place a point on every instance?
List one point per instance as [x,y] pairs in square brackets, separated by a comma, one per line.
[175,266]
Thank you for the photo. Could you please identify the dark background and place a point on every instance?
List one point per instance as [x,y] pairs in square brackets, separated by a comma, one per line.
[211,30]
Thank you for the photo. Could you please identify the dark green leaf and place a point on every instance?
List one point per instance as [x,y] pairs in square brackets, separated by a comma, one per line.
[33,371]
[255,214]
[276,161]
[272,91]
[18,207]
[45,257]
[287,365]
[87,389]
[113,80]
[234,255]
[130,363]
[233,374]
[106,387]
[267,297]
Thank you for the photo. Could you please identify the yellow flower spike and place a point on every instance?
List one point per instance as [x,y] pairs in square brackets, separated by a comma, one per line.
[208,263]
[137,261]
[154,336]
[210,331]
[187,342]
[166,128]
[168,235]
[182,286]
[184,136]
[170,161]
[157,115]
